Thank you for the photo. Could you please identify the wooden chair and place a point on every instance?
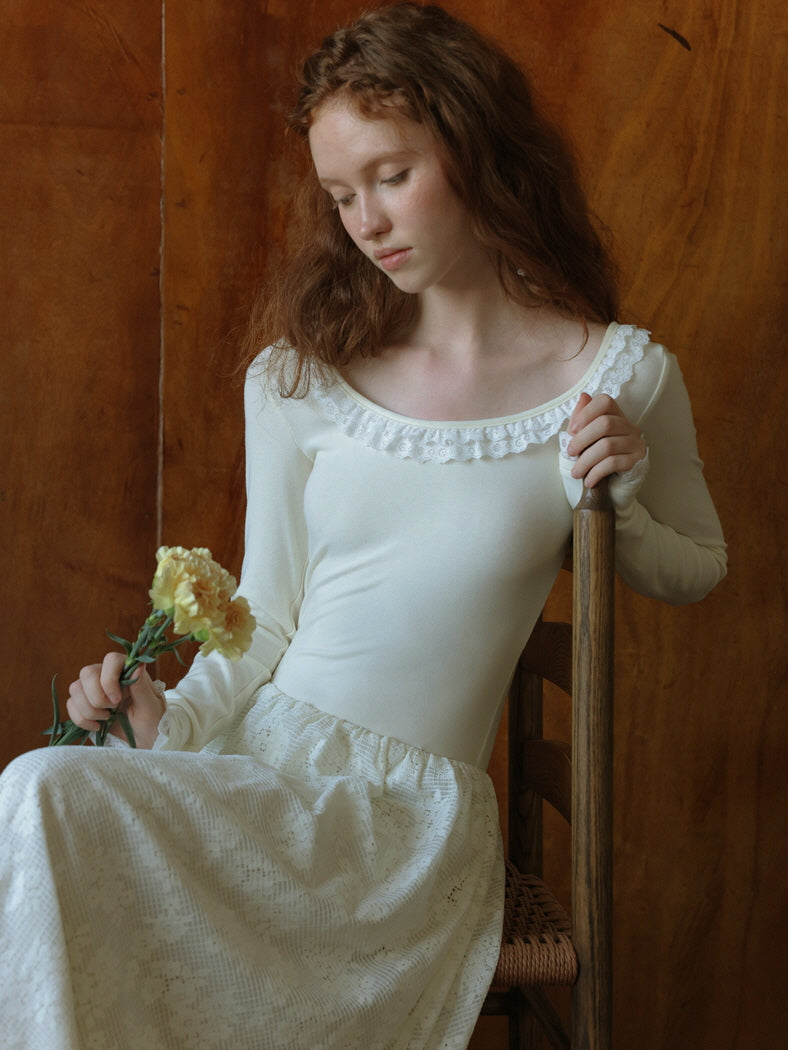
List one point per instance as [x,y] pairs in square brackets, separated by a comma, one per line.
[541,946]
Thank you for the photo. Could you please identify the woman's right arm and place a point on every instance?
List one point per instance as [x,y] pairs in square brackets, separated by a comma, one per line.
[669,541]
[208,696]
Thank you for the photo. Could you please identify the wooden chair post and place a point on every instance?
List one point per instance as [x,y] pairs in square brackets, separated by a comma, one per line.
[541,946]
[592,741]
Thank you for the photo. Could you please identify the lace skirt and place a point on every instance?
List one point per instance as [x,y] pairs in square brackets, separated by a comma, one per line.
[304,884]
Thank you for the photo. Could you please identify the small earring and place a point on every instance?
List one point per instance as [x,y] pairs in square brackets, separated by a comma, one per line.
[521,273]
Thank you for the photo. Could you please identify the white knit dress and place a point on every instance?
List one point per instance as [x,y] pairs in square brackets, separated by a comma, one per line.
[309,858]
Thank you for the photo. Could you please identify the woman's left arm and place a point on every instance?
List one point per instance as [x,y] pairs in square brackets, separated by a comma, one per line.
[669,541]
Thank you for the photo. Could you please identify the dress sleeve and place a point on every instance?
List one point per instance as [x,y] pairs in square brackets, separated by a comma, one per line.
[275,553]
[669,541]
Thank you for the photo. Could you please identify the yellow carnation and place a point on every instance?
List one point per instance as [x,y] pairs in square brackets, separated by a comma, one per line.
[192,588]
[233,635]
[193,594]
[170,568]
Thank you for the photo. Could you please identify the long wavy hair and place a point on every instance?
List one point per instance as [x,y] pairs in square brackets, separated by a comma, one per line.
[509,166]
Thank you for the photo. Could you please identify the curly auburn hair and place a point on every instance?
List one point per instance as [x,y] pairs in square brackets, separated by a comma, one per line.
[509,166]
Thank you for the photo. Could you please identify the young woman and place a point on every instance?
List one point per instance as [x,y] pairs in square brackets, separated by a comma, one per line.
[304,853]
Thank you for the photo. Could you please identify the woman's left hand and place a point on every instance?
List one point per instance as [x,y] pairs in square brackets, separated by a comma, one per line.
[603,439]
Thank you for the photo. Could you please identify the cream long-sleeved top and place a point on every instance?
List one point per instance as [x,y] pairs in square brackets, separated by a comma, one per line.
[396,566]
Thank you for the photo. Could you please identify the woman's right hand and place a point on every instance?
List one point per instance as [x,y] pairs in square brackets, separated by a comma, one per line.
[97,692]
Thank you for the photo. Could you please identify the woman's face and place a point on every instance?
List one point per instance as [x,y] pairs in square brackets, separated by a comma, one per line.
[385,176]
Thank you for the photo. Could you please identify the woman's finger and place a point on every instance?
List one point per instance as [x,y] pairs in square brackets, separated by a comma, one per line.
[604,440]
[87,705]
[111,669]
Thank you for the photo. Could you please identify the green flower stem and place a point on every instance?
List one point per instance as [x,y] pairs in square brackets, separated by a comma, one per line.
[151,642]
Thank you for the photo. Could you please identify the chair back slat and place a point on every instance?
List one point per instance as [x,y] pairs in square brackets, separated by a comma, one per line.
[548,653]
[547,771]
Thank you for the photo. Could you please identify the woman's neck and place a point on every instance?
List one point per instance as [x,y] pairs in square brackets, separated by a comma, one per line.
[467,322]
[473,353]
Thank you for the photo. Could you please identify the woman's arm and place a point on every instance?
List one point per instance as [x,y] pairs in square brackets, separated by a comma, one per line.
[669,541]
[207,697]
[272,578]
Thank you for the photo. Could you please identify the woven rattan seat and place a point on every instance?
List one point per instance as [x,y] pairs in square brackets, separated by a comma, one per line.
[536,946]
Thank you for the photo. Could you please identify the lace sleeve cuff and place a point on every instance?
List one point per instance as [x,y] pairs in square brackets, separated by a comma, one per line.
[174,726]
[624,487]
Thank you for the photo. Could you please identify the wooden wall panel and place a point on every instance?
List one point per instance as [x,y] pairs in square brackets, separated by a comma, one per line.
[679,143]
[79,234]
[214,241]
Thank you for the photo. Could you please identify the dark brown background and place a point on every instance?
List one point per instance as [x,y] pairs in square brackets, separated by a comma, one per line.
[144,189]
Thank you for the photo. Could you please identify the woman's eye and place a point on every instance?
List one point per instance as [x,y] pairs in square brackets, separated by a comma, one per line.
[394,179]
[343,202]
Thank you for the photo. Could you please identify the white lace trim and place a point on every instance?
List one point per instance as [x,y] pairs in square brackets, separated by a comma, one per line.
[441,442]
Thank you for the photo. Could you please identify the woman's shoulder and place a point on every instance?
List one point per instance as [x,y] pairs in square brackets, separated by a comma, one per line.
[626,352]
[274,370]
[280,399]
[630,368]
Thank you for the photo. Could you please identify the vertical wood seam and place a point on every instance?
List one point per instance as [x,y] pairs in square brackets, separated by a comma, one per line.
[159,497]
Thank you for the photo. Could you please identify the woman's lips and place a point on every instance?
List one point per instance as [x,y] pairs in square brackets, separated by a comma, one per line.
[392,260]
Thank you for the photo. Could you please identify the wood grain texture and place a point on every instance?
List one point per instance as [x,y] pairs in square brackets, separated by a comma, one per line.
[215,234]
[79,155]
[592,770]
[685,163]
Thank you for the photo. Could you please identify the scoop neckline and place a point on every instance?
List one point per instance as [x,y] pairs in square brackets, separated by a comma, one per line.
[492,421]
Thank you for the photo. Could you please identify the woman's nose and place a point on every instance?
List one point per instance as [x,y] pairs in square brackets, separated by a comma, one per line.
[373,220]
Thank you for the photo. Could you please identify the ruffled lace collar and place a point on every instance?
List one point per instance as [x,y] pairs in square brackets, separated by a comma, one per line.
[445,442]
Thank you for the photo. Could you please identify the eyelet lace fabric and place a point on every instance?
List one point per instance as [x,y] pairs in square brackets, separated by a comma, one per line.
[428,442]
[316,886]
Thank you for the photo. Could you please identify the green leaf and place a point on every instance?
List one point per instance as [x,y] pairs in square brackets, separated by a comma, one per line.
[71,734]
[55,727]
[62,732]
[121,641]
[123,718]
